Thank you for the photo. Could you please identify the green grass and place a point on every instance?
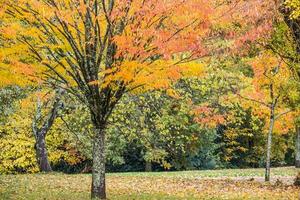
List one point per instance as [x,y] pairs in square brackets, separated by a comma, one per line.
[283,171]
[189,185]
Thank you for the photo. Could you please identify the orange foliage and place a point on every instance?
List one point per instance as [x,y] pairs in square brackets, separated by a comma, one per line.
[153,37]
[208,116]
[270,84]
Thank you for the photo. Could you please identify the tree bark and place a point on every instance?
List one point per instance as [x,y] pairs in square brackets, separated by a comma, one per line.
[148,166]
[98,172]
[41,132]
[41,153]
[297,159]
[269,145]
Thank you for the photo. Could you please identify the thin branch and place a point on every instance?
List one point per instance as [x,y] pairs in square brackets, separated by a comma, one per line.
[283,113]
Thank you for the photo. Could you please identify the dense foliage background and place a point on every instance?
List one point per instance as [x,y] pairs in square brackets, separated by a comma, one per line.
[153,131]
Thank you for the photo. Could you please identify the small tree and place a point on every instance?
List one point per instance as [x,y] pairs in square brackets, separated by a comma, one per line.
[291,13]
[268,94]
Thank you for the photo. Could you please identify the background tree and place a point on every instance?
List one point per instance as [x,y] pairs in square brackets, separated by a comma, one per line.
[17,141]
[40,132]
[290,11]
[8,96]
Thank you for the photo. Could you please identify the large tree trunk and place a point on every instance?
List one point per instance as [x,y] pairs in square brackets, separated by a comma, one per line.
[269,145]
[41,153]
[297,159]
[98,174]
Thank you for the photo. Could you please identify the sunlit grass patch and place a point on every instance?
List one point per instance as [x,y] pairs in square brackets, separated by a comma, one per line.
[282,171]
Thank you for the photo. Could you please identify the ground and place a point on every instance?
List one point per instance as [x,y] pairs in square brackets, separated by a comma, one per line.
[212,184]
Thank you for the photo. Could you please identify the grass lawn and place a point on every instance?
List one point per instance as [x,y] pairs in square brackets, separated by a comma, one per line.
[212,184]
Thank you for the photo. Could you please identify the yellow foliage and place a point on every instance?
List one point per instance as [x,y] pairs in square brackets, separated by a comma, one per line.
[17,143]
[294,5]
[17,146]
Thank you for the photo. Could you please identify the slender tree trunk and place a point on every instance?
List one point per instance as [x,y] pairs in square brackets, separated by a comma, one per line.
[148,166]
[269,145]
[297,160]
[98,173]
[41,153]
[41,132]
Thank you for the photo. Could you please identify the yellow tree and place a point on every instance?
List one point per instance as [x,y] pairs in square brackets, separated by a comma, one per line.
[267,94]
[17,141]
[98,50]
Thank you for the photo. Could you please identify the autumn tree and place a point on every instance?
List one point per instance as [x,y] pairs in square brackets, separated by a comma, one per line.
[165,127]
[286,44]
[291,15]
[270,83]
[99,50]
[17,141]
